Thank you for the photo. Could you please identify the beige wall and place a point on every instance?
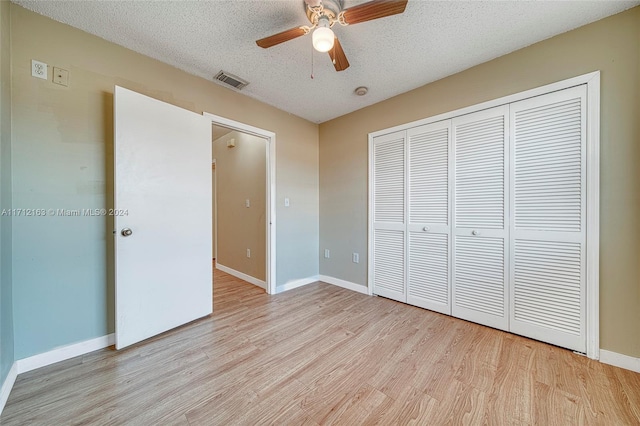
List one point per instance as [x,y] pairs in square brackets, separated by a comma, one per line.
[612,46]
[241,174]
[62,158]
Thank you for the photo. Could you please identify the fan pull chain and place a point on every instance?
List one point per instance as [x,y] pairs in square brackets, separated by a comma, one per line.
[312,62]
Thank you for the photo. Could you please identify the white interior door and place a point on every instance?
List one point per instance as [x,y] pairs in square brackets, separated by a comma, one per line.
[548,231]
[480,244]
[428,229]
[163,184]
[389,216]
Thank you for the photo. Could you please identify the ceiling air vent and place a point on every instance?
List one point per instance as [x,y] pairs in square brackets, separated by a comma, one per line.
[230,80]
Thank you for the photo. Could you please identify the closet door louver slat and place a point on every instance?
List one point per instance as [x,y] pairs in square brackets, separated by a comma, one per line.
[389,181]
[429,271]
[389,262]
[480,274]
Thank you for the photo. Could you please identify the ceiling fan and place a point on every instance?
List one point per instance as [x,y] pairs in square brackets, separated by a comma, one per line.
[323,14]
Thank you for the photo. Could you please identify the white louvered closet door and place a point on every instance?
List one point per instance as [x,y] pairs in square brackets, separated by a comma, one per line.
[389,216]
[480,219]
[548,138]
[428,229]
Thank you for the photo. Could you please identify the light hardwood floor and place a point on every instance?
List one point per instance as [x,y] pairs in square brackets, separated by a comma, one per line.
[324,355]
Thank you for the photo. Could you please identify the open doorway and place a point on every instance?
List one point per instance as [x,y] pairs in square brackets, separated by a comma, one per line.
[240,204]
[243,179]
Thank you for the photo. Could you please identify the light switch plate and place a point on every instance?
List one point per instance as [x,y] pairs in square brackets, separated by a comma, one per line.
[286,202]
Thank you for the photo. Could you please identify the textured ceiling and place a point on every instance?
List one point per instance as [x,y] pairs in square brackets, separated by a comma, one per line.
[431,40]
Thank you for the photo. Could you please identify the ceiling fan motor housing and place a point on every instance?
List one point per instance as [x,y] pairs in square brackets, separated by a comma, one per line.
[330,8]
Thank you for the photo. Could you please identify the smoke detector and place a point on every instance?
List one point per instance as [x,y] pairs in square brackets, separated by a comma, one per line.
[361,91]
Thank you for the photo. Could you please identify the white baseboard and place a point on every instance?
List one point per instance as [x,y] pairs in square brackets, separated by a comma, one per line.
[64,353]
[290,285]
[620,360]
[344,284]
[242,276]
[5,390]
[51,357]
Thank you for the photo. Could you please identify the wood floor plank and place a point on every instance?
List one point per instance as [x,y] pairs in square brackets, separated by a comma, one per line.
[321,355]
[412,406]
[630,384]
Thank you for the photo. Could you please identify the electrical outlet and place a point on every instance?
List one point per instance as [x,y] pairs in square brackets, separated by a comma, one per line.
[248,252]
[247,203]
[326,253]
[356,258]
[38,69]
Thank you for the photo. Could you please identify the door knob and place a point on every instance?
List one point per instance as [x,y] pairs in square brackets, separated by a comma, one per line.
[474,232]
[126,232]
[426,228]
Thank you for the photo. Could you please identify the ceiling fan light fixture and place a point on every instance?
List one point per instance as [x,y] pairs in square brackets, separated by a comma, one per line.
[323,36]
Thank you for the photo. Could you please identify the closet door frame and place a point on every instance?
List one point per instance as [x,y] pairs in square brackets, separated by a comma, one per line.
[592,81]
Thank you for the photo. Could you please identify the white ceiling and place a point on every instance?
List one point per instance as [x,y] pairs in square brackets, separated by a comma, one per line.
[431,40]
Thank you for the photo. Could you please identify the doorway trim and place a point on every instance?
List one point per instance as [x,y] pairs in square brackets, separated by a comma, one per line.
[270,137]
[215,209]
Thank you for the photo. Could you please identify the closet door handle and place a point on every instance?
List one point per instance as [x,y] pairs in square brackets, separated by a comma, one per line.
[426,229]
[475,232]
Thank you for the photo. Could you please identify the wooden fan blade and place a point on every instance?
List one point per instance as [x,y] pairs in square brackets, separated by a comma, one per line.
[373,10]
[338,57]
[281,37]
